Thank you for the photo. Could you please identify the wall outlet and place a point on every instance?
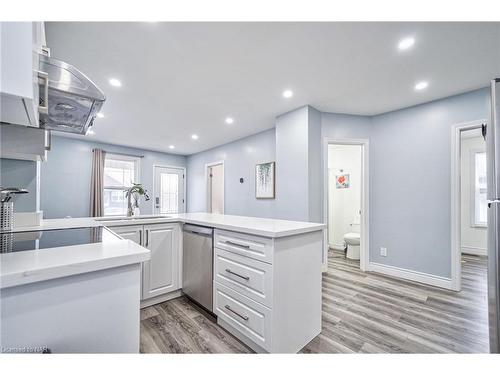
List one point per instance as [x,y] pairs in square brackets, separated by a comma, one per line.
[383,251]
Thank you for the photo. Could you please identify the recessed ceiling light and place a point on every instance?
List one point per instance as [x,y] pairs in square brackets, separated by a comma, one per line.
[287,93]
[115,82]
[171,147]
[406,43]
[421,85]
[100,115]
[90,132]
[194,136]
[229,120]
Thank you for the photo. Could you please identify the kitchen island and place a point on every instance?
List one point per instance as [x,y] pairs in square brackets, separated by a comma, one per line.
[270,298]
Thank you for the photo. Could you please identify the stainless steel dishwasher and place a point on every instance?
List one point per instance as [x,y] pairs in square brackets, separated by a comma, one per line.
[197,264]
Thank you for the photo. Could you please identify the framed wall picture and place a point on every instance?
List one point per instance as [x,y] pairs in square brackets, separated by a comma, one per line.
[264,180]
[343,181]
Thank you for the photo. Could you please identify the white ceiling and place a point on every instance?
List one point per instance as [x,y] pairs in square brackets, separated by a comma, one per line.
[185,78]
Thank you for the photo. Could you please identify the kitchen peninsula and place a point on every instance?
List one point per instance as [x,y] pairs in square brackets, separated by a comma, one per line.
[275,307]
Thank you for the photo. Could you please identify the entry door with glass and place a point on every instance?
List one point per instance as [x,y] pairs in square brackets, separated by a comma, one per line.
[168,190]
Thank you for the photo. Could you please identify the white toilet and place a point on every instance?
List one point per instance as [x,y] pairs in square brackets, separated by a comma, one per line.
[352,240]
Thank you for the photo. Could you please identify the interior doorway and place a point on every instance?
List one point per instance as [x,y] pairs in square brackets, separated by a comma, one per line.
[215,187]
[346,199]
[168,190]
[469,203]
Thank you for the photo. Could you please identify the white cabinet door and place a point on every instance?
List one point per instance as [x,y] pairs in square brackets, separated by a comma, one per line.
[162,272]
[133,233]
[19,95]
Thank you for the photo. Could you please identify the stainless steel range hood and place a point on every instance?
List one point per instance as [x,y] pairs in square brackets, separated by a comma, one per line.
[73,99]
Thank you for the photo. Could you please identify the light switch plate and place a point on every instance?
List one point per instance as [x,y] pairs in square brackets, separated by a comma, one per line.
[383,251]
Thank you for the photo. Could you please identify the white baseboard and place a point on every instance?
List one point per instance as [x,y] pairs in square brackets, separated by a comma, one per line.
[335,246]
[474,250]
[159,299]
[403,273]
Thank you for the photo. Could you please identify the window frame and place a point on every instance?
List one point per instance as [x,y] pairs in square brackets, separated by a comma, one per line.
[137,173]
[472,178]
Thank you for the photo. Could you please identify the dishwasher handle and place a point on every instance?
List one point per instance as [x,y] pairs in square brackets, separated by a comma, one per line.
[196,229]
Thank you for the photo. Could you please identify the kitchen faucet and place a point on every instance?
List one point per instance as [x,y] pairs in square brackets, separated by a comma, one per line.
[135,191]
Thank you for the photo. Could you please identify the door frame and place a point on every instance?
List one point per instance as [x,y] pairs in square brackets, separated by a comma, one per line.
[183,169]
[456,201]
[365,197]
[207,187]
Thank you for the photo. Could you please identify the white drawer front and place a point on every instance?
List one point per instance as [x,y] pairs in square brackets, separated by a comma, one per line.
[255,247]
[246,276]
[248,317]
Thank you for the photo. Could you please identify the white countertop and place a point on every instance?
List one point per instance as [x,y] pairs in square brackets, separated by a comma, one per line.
[24,267]
[252,225]
[273,228]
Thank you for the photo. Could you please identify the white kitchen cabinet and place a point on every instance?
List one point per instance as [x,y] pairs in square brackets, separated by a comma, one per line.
[20,46]
[130,232]
[267,291]
[24,143]
[161,273]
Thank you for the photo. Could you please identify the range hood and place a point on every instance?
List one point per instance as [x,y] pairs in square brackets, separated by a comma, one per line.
[73,99]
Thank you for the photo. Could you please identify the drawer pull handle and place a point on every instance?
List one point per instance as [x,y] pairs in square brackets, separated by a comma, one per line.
[237,274]
[238,244]
[238,314]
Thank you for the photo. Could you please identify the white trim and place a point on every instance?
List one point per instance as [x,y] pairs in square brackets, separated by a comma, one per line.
[365,197]
[403,273]
[207,194]
[161,298]
[336,247]
[474,250]
[455,248]
[183,169]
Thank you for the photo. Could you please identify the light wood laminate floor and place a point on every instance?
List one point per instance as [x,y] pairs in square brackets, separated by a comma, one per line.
[362,313]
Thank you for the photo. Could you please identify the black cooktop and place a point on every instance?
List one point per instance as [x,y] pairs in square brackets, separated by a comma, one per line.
[38,240]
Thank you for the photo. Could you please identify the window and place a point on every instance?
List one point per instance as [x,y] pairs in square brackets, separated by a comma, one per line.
[120,172]
[169,197]
[479,203]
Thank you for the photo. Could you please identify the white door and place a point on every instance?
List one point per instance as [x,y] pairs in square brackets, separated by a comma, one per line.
[161,273]
[168,190]
[215,184]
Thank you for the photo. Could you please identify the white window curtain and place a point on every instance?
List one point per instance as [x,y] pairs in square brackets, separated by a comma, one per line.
[97,183]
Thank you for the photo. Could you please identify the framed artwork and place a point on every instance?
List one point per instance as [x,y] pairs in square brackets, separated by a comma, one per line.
[264,180]
[342,181]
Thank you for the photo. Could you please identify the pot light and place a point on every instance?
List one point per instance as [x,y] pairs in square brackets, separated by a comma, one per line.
[287,94]
[421,85]
[229,120]
[406,43]
[115,82]
[194,136]
[171,147]
[100,115]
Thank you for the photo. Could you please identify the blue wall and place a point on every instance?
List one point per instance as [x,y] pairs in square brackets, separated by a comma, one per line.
[240,158]
[65,176]
[410,193]
[410,181]
[21,174]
